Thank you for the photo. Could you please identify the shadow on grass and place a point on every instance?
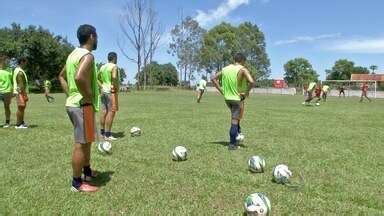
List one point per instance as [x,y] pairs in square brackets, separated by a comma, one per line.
[119,134]
[33,126]
[103,178]
[225,143]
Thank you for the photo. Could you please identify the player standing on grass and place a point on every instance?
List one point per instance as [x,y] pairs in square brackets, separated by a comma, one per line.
[201,88]
[325,92]
[341,90]
[109,79]
[5,90]
[364,92]
[47,91]
[78,79]
[236,83]
[20,89]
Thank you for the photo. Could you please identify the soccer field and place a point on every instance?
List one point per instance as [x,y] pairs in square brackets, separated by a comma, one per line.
[337,148]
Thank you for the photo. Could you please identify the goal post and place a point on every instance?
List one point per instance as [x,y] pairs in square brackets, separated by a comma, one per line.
[352,88]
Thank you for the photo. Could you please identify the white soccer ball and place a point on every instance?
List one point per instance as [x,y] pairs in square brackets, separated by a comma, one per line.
[257,204]
[317,104]
[104,147]
[281,174]
[240,137]
[135,131]
[179,153]
[256,164]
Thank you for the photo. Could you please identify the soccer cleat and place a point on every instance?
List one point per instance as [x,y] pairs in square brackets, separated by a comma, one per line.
[84,187]
[22,126]
[6,126]
[110,138]
[233,147]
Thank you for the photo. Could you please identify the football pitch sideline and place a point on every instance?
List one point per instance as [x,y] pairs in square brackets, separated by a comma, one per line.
[335,152]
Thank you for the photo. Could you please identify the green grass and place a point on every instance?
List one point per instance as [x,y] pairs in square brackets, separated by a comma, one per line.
[337,147]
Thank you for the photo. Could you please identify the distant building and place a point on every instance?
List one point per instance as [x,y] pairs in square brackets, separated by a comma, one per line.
[368,77]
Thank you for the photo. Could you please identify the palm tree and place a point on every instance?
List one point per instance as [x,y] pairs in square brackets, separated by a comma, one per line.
[373,68]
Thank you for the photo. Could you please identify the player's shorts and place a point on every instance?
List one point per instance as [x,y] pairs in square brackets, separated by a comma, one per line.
[109,102]
[201,91]
[234,106]
[5,96]
[83,121]
[21,99]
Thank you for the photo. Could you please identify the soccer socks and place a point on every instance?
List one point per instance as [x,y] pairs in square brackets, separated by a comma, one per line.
[239,128]
[76,182]
[7,122]
[87,170]
[108,133]
[233,133]
[102,132]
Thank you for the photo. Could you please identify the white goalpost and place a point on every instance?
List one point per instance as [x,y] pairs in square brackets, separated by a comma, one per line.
[352,88]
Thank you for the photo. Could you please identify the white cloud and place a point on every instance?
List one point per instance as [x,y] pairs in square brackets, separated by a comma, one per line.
[221,12]
[374,45]
[301,39]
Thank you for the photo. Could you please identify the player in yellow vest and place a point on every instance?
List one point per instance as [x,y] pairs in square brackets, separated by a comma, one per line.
[5,90]
[236,83]
[201,88]
[108,79]
[47,91]
[20,89]
[326,89]
[78,79]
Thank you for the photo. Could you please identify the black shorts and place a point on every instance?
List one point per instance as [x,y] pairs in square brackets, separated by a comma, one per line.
[234,106]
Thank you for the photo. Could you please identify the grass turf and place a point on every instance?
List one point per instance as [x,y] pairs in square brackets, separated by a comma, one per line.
[337,148]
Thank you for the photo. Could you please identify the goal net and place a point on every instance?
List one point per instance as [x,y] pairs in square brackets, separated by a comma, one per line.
[352,88]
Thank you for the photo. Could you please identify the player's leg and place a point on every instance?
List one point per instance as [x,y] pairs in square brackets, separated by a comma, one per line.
[21,105]
[103,113]
[112,109]
[200,94]
[7,110]
[83,124]
[366,96]
[234,106]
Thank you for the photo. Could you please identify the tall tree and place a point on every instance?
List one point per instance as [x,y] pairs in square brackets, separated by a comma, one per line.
[186,44]
[224,40]
[373,68]
[140,27]
[299,71]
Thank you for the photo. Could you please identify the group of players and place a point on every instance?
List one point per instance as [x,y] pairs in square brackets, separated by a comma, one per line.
[83,83]
[86,89]
[317,91]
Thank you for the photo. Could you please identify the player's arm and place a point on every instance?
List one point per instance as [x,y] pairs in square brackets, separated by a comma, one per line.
[63,80]
[115,81]
[20,82]
[215,81]
[247,75]
[83,78]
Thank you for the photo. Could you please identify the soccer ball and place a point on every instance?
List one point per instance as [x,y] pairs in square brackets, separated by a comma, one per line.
[240,137]
[179,153]
[281,174]
[256,164]
[104,147]
[317,104]
[135,131]
[257,204]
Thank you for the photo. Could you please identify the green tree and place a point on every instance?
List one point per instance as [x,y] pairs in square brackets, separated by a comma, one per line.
[160,74]
[46,53]
[299,71]
[343,69]
[373,68]
[187,39]
[224,40]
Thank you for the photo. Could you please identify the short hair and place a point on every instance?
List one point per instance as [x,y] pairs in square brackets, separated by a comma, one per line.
[112,56]
[239,57]
[84,32]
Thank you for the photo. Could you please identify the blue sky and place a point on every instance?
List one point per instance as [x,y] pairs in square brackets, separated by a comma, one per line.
[319,30]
